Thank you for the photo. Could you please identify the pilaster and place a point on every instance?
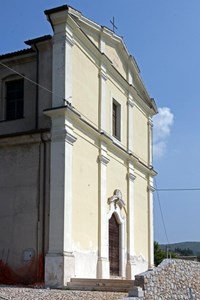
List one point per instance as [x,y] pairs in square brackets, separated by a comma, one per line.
[103,112]
[131,219]
[103,267]
[62,64]
[130,105]
[59,261]
[150,133]
[150,222]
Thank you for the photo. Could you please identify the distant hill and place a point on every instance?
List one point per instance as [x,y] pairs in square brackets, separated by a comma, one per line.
[194,246]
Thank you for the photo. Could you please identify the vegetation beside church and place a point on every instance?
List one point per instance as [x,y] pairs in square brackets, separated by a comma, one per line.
[160,254]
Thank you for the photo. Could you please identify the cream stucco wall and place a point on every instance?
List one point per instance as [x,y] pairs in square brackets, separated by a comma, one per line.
[140,134]
[85,194]
[116,92]
[113,54]
[85,83]
[116,176]
[85,206]
[141,215]
[94,37]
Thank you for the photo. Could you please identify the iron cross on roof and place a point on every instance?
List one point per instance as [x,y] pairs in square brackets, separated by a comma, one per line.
[113,24]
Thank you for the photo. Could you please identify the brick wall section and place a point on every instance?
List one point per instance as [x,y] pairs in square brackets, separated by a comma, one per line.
[172,279]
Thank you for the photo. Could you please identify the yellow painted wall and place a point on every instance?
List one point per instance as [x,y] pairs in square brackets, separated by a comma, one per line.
[141,215]
[116,176]
[140,134]
[85,194]
[116,92]
[85,86]
[113,55]
[93,37]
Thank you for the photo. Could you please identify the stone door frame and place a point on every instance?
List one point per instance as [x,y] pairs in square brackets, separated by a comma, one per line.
[115,209]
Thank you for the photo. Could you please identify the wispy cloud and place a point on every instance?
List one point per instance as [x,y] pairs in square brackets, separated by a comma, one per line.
[163,122]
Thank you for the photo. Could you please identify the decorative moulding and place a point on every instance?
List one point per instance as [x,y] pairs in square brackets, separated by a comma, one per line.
[103,159]
[131,176]
[151,188]
[70,138]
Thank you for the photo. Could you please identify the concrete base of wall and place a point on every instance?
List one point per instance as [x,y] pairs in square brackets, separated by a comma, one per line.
[59,269]
[103,268]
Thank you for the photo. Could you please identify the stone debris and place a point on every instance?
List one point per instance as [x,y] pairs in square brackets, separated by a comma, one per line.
[173,279]
[23,293]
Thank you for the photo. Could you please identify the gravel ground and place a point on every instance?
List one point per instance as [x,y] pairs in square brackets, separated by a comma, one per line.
[22,293]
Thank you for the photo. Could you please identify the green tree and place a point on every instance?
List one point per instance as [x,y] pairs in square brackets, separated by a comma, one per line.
[159,254]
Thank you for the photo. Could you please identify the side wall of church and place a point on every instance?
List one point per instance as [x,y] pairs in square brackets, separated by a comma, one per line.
[22,209]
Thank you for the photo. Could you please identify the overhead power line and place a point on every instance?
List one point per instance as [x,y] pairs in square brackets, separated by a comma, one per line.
[161,212]
[57,95]
[178,190]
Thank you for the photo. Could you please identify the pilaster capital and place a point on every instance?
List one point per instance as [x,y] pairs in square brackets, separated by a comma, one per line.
[70,138]
[130,101]
[103,73]
[63,134]
[131,173]
[150,188]
[131,176]
[103,159]
[150,122]
[69,38]
[65,36]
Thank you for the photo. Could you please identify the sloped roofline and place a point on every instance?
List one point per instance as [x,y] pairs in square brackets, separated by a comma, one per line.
[94,25]
[16,53]
[111,35]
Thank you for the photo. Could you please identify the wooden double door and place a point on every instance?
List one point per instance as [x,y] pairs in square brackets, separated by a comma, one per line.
[114,246]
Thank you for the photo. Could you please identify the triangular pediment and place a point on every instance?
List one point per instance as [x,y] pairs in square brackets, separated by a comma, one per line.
[113,47]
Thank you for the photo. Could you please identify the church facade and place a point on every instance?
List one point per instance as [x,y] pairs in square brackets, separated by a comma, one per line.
[76,174]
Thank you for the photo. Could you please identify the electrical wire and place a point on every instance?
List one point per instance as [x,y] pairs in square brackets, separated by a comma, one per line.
[59,96]
[178,190]
[161,212]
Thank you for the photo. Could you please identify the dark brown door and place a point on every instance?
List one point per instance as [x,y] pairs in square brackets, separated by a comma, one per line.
[114,246]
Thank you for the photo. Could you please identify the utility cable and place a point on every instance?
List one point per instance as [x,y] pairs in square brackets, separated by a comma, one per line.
[59,96]
[178,190]
[161,212]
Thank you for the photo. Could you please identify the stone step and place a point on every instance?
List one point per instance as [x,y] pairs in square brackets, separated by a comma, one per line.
[111,285]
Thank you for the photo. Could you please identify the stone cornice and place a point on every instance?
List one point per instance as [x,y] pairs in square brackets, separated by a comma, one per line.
[82,124]
[26,138]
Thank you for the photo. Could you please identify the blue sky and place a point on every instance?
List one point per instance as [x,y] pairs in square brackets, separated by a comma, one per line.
[164,38]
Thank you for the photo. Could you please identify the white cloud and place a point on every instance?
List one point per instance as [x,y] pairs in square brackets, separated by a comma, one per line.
[163,122]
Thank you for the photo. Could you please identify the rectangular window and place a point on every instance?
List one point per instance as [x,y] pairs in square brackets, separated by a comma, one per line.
[116,120]
[14,99]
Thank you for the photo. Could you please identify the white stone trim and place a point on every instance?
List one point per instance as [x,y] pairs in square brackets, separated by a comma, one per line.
[103,105]
[150,222]
[62,65]
[130,105]
[114,208]
[59,262]
[103,266]
[130,272]
[150,135]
